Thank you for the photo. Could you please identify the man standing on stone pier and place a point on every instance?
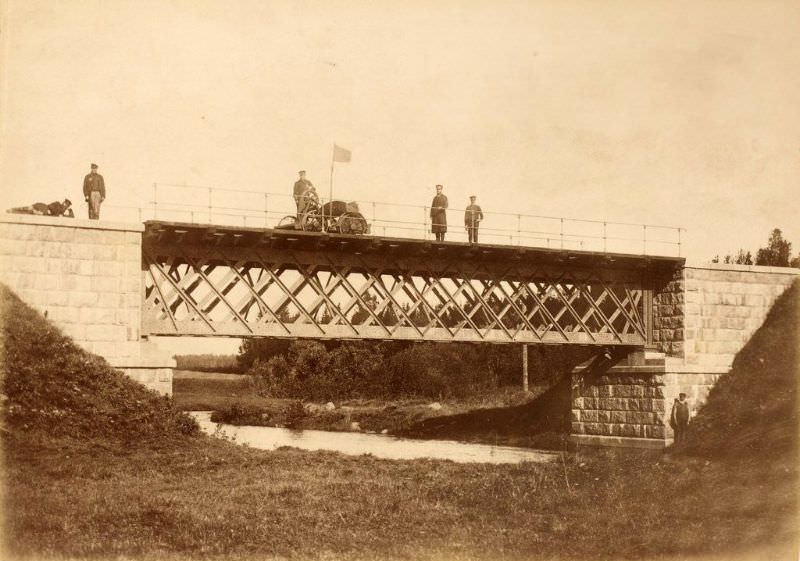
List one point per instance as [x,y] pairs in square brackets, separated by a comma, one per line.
[94,192]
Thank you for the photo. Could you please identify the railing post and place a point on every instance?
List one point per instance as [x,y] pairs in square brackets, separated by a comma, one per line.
[519,235]
[644,239]
[155,201]
[604,238]
[424,223]
[679,242]
[562,233]
[210,220]
[266,210]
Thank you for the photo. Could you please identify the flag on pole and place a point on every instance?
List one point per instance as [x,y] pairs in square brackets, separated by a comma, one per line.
[340,154]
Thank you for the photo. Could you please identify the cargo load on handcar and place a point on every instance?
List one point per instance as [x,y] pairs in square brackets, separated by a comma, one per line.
[334,217]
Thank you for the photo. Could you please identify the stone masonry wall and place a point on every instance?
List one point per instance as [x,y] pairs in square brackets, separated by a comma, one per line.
[668,309]
[85,275]
[623,402]
[725,305]
[706,314]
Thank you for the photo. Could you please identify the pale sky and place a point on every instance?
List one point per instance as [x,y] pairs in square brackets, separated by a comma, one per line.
[674,113]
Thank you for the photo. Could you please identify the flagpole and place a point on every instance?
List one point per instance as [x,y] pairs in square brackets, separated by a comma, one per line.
[330,187]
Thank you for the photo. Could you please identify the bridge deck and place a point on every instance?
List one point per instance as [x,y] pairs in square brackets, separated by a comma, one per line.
[238,281]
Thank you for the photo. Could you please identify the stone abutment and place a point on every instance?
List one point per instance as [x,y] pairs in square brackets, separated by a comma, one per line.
[86,276]
[703,317]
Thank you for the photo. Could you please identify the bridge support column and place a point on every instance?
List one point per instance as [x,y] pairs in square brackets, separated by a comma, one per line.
[524,367]
[629,404]
[86,276]
[624,405]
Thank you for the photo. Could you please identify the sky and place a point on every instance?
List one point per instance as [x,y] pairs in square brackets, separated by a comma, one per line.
[674,113]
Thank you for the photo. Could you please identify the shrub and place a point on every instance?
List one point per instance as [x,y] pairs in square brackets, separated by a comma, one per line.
[239,414]
[294,414]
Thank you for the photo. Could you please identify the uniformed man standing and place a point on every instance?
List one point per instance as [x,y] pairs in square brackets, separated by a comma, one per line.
[301,186]
[679,418]
[439,214]
[472,218]
[94,191]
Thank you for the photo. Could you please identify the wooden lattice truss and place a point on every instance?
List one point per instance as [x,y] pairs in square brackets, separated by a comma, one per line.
[246,292]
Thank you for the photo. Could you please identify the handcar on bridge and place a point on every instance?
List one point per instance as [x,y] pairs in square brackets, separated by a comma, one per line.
[335,216]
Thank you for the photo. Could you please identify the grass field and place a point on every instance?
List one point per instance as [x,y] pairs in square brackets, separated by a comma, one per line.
[98,468]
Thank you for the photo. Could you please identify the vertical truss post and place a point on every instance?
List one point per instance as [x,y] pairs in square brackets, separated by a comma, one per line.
[647,309]
[525,367]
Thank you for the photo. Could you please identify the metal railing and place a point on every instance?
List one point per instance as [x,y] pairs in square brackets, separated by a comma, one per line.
[248,208]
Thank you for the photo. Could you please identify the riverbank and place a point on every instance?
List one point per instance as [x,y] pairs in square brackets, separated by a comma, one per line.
[508,416]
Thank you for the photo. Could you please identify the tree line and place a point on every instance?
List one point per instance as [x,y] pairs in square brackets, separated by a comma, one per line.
[337,370]
[777,253]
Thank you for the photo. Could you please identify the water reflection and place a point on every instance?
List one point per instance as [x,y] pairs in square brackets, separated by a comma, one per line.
[378,445]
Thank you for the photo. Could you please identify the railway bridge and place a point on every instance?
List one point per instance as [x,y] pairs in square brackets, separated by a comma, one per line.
[669,328]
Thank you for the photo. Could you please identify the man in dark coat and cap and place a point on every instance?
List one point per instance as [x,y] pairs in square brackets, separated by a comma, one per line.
[679,418]
[94,191]
[439,214]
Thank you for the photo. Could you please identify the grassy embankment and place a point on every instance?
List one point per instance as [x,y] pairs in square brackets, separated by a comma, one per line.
[97,467]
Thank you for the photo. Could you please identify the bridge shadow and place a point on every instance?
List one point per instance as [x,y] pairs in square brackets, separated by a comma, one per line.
[542,422]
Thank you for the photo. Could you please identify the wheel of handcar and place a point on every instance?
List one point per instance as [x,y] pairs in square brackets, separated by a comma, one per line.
[312,223]
[352,223]
[287,223]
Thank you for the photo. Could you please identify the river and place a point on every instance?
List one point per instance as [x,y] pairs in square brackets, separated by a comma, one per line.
[378,445]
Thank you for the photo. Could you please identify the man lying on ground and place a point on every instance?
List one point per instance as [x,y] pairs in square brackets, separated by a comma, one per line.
[41,209]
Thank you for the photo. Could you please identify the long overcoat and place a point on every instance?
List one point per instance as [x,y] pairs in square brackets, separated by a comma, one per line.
[439,214]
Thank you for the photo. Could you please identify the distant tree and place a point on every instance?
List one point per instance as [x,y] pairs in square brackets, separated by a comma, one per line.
[261,349]
[777,252]
[742,258]
[362,316]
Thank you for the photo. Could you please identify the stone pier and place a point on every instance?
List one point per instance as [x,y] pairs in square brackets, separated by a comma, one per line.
[86,277]
[703,316]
